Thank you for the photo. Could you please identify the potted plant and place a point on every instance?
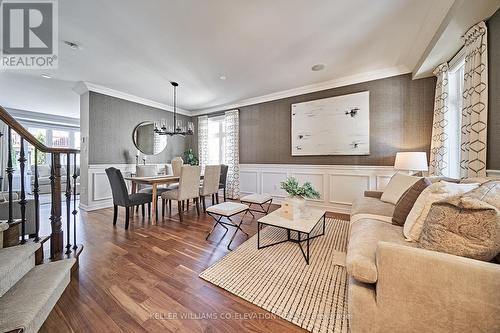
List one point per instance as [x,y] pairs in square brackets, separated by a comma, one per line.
[294,204]
[190,158]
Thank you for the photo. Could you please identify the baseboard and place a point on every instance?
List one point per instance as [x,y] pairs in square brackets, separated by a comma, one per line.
[100,205]
[493,173]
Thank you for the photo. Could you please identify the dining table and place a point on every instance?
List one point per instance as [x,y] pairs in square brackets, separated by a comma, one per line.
[154,182]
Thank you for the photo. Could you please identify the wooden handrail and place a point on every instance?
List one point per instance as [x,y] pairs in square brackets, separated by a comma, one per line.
[23,132]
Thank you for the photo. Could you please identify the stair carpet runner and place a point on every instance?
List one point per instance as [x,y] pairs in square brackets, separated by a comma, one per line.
[28,292]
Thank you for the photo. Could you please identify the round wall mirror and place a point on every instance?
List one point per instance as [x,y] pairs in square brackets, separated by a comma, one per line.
[147,141]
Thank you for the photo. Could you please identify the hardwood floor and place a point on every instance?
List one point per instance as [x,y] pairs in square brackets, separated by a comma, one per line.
[146,279]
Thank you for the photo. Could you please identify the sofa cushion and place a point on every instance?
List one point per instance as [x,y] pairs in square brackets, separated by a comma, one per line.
[43,170]
[364,237]
[436,192]
[397,186]
[406,202]
[467,225]
[4,196]
[368,207]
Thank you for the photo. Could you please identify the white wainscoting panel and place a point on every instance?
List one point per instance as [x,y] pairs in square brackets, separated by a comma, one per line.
[249,181]
[338,185]
[345,188]
[271,183]
[99,190]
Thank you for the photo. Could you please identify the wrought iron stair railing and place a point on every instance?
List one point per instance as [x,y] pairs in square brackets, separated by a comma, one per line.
[58,245]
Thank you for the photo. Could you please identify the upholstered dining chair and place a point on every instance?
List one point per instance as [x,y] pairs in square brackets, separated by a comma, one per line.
[177,163]
[148,170]
[121,196]
[210,186]
[223,178]
[189,188]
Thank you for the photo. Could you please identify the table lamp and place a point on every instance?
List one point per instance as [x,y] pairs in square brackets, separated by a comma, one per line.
[411,161]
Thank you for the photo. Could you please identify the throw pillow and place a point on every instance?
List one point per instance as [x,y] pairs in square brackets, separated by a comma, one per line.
[466,225]
[406,202]
[436,192]
[397,186]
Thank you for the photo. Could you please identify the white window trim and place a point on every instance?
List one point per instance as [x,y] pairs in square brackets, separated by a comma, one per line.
[221,136]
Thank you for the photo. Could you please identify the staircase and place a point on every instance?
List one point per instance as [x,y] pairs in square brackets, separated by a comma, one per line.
[30,285]
[28,292]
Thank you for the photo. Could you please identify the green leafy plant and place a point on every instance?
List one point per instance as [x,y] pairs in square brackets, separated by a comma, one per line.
[292,187]
[190,158]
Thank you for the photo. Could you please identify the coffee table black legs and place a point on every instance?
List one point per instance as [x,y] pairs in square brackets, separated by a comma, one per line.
[306,254]
[259,226]
[299,240]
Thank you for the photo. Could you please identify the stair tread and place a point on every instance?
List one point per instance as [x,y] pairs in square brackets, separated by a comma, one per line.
[9,256]
[26,304]
[15,261]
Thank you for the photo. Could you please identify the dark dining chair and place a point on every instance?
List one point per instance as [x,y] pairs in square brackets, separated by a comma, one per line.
[223,178]
[121,196]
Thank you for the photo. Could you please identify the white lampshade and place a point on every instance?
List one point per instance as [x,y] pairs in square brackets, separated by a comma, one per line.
[411,161]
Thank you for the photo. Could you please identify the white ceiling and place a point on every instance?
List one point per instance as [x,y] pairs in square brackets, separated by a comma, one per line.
[261,46]
[34,93]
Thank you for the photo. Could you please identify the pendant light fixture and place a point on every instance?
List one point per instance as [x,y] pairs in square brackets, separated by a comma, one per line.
[177,127]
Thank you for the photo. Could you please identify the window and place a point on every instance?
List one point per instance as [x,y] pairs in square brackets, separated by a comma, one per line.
[41,135]
[60,139]
[216,140]
[456,87]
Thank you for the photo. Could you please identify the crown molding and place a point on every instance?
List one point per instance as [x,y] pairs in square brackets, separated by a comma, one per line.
[340,82]
[83,87]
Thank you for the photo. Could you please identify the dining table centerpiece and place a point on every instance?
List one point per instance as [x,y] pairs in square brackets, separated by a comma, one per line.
[293,205]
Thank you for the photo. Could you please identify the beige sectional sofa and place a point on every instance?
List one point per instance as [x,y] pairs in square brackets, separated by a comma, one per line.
[394,286]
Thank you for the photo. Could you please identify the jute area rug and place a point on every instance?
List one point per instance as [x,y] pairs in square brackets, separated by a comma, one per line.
[278,280]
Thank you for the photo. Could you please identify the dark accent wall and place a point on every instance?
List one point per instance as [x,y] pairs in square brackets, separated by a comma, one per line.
[401,111]
[493,158]
[111,123]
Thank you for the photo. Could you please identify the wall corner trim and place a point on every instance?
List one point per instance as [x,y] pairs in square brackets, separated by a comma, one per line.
[82,87]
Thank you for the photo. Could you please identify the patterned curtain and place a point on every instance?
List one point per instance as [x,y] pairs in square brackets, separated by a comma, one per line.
[232,127]
[203,141]
[440,150]
[475,103]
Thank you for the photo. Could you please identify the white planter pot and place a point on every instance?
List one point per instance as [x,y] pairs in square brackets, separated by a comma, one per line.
[292,207]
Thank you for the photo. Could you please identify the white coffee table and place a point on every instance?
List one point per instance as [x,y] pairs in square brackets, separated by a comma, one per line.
[305,225]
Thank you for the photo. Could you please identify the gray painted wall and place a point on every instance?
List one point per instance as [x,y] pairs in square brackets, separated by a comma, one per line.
[401,112]
[493,158]
[111,123]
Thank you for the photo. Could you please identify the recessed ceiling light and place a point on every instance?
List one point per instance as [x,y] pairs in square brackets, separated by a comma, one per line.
[222,77]
[46,76]
[73,45]
[318,67]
